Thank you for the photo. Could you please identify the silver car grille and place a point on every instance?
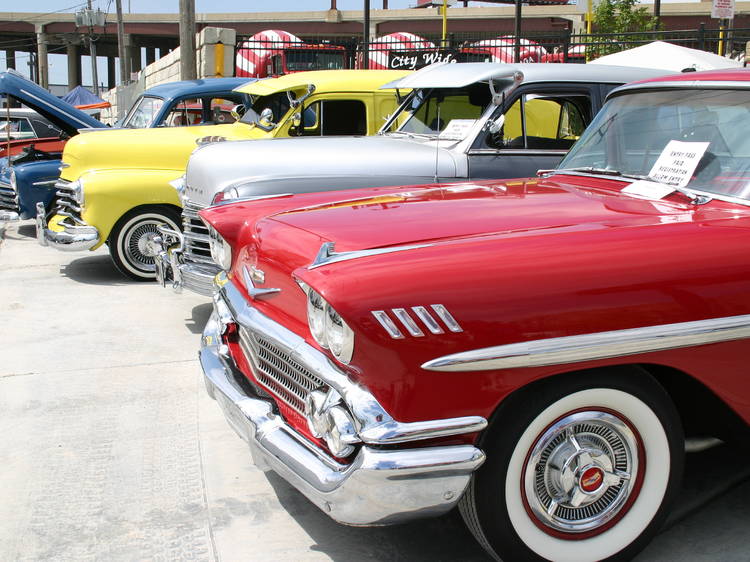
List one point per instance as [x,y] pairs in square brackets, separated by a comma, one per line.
[8,197]
[195,234]
[65,204]
[274,368]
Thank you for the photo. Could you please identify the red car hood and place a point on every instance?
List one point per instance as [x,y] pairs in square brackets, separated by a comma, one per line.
[511,208]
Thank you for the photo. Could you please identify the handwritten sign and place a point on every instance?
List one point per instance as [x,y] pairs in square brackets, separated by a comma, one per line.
[648,189]
[412,60]
[457,129]
[677,162]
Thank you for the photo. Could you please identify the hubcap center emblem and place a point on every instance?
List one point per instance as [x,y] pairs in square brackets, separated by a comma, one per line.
[591,479]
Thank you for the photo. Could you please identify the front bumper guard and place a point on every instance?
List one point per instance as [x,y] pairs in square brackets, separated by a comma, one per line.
[380,486]
[172,268]
[71,239]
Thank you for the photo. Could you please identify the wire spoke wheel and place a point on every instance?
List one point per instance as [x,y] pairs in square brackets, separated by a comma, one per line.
[131,243]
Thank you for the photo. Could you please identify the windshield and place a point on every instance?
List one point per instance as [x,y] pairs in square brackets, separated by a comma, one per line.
[314,60]
[143,113]
[691,138]
[278,103]
[440,110]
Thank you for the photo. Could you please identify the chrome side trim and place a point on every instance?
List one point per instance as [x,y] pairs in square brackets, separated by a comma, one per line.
[327,255]
[589,347]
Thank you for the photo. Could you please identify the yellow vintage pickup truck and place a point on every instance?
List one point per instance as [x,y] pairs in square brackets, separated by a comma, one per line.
[115,188]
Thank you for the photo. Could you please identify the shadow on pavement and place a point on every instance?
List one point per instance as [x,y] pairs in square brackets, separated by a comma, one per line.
[200,314]
[94,270]
[708,476]
[27,230]
[439,539]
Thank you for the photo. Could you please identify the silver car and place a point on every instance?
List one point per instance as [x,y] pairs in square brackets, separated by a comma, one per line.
[459,121]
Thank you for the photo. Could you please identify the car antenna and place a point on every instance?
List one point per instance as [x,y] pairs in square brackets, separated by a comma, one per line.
[437,144]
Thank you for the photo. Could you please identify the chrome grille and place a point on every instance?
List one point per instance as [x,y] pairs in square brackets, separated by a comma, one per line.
[65,204]
[274,368]
[8,197]
[195,234]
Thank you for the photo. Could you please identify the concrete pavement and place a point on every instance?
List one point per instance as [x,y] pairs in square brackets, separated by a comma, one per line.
[110,448]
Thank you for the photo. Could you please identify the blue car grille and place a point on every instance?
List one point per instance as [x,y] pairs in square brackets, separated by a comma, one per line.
[8,198]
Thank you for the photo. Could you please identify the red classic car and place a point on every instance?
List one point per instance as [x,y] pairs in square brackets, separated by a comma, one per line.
[533,351]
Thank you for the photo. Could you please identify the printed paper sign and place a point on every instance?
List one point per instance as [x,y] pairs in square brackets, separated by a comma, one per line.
[677,162]
[722,9]
[648,189]
[457,129]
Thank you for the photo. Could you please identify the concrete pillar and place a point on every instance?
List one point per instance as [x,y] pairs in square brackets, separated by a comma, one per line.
[150,55]
[127,64]
[111,82]
[135,57]
[41,53]
[10,58]
[74,65]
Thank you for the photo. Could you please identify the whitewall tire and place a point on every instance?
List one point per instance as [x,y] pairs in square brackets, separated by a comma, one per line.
[130,242]
[581,469]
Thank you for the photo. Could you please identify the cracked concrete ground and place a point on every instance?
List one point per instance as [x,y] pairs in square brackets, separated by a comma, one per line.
[111,450]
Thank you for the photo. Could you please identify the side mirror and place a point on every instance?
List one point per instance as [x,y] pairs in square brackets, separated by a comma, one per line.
[238,111]
[496,125]
[297,120]
[266,119]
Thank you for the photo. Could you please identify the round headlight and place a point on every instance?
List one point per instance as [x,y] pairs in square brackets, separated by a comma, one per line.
[339,336]
[221,251]
[316,312]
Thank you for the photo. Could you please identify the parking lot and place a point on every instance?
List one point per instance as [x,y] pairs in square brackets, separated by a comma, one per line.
[111,450]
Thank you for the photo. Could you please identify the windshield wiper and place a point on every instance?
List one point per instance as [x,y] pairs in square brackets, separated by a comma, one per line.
[695,198]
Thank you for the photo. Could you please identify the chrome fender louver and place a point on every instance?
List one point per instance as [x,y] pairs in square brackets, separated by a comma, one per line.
[415,318]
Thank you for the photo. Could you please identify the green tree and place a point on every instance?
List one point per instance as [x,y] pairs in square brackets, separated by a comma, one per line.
[620,16]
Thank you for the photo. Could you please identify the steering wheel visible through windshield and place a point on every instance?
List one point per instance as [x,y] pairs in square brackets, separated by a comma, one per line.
[278,103]
[637,131]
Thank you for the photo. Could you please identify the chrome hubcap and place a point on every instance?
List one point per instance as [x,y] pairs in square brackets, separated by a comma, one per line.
[581,471]
[139,245]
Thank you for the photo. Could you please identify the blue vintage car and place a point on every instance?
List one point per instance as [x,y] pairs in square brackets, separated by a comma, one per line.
[30,175]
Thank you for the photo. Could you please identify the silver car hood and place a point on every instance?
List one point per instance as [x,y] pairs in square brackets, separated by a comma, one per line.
[277,165]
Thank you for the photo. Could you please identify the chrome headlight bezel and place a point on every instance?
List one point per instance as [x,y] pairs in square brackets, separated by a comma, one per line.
[327,327]
[221,251]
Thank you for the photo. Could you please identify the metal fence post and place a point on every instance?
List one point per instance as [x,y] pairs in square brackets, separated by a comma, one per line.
[702,36]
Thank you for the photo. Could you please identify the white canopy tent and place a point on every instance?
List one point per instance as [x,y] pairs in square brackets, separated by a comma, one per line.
[666,56]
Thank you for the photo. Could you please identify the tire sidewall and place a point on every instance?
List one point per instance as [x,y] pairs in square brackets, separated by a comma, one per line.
[127,223]
[522,418]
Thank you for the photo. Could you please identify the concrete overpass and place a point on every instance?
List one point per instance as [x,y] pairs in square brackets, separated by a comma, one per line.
[158,34]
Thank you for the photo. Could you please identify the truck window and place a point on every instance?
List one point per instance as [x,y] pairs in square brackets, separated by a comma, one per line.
[541,121]
[335,117]
[185,112]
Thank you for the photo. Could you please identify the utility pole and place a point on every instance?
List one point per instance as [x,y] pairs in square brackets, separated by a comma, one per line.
[366,37]
[124,72]
[89,18]
[187,40]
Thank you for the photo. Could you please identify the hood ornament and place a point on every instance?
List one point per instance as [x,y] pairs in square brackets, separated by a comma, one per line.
[250,286]
[327,253]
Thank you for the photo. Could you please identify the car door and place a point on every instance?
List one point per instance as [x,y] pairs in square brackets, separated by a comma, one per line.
[533,130]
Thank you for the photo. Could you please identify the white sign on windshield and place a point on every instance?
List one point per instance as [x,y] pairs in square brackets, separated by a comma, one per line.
[677,162]
[457,129]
